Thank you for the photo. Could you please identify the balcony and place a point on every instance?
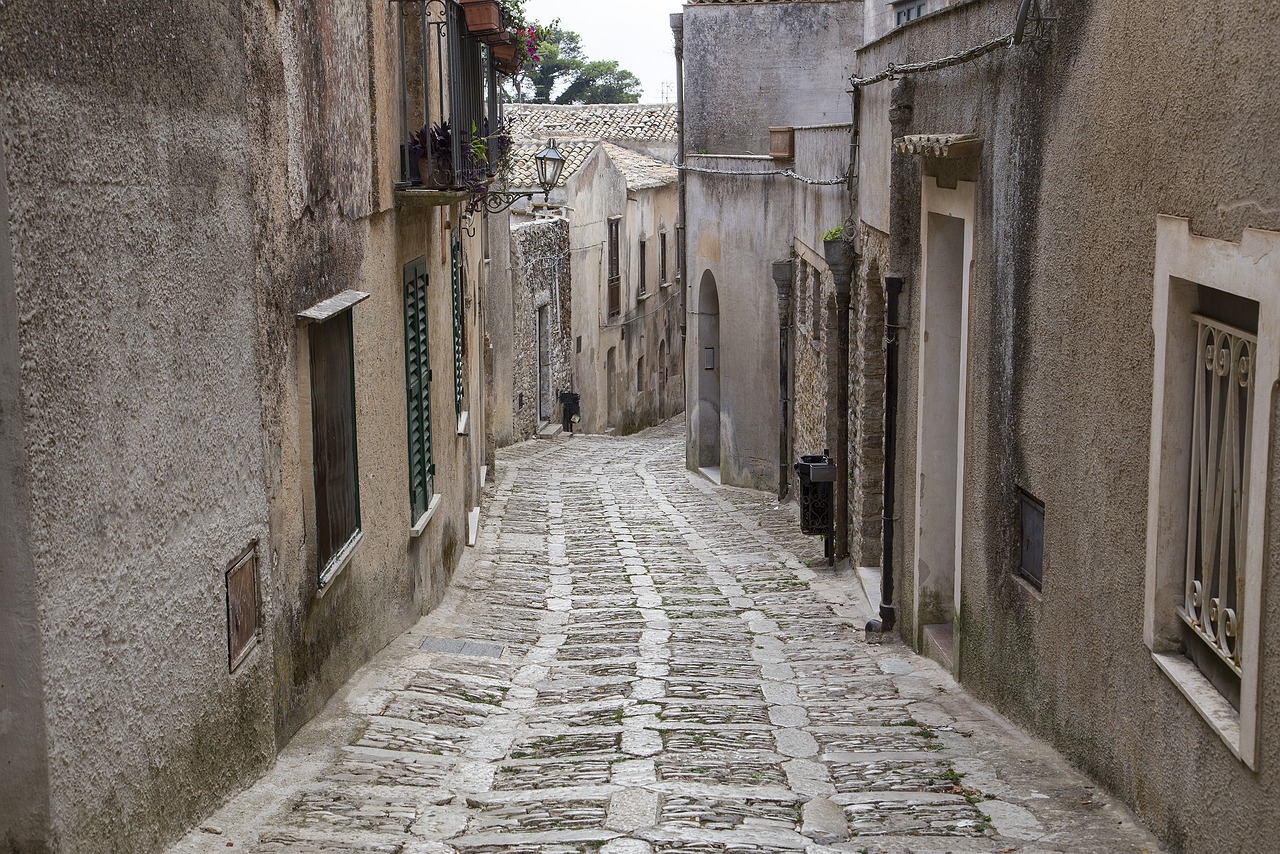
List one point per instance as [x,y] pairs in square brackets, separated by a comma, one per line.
[448,105]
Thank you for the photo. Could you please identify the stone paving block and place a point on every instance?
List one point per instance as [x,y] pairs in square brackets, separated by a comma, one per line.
[676,672]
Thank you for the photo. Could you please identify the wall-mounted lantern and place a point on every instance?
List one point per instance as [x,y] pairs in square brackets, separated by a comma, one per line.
[550,163]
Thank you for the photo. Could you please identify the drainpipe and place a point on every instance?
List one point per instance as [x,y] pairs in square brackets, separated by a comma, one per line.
[783,271]
[682,267]
[841,259]
[888,612]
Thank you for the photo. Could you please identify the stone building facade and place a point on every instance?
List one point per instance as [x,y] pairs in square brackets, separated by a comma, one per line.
[1084,227]
[747,210]
[220,316]
[542,301]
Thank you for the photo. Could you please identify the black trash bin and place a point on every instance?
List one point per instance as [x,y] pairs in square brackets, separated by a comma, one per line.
[817,483]
[570,403]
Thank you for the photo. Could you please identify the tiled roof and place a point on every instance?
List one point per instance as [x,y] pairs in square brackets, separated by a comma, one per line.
[523,172]
[651,122]
[641,171]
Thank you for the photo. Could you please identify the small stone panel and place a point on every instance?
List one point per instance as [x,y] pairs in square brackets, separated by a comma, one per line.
[349,810]
[535,816]
[552,774]
[716,714]
[906,817]
[717,814]
[735,771]
[704,741]
[555,746]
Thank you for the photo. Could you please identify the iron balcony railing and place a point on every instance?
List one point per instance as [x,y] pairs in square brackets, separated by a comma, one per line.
[448,99]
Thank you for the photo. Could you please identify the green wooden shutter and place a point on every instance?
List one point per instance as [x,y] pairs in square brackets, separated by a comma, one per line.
[418,387]
[457,324]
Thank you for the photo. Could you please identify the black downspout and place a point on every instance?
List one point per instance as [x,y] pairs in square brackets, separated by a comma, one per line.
[888,612]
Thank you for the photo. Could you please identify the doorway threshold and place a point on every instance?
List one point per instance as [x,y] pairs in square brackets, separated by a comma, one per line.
[711,473]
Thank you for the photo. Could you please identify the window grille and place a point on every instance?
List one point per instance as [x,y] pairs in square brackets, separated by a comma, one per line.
[615,275]
[417,353]
[456,275]
[1213,605]
[333,429]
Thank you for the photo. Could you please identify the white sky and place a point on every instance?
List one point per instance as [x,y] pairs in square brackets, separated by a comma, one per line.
[637,33]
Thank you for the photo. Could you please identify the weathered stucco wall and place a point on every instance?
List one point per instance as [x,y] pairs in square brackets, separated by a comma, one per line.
[749,67]
[131,220]
[168,221]
[1120,120]
[24,778]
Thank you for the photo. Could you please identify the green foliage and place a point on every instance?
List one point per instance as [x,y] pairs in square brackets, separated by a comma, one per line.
[836,233]
[567,76]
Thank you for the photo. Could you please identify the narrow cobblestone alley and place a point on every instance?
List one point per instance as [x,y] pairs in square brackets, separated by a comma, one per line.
[634,660]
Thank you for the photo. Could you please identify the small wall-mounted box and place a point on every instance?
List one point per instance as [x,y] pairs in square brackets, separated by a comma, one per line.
[782,143]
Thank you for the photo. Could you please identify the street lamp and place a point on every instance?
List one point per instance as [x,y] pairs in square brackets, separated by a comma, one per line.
[550,163]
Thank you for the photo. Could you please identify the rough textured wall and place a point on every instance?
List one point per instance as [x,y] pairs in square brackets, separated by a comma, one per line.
[1119,120]
[812,348]
[24,777]
[749,67]
[867,400]
[131,221]
[540,277]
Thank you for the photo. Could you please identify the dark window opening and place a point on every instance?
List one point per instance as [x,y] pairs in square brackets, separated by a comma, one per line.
[1031,565]
[615,276]
[333,428]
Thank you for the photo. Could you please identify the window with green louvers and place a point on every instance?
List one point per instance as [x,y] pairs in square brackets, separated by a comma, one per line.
[457,324]
[418,388]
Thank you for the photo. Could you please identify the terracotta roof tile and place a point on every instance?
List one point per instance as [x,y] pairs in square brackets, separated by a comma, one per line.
[613,122]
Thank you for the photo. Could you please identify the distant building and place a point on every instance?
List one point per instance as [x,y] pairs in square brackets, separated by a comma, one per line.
[618,196]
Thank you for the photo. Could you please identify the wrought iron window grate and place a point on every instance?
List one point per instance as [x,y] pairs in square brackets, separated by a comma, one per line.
[1213,605]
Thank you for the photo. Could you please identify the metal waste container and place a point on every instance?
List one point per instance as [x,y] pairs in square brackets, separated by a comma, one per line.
[570,409]
[817,483]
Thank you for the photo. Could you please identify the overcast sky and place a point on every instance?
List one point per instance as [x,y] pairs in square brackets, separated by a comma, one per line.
[637,33]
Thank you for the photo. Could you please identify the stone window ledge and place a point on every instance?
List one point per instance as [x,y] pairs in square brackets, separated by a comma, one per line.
[425,519]
[339,563]
[1205,699]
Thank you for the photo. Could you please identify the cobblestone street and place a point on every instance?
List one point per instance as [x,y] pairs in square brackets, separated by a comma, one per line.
[634,660]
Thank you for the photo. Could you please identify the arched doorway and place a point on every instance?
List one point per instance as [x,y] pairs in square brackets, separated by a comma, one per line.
[611,385]
[708,363]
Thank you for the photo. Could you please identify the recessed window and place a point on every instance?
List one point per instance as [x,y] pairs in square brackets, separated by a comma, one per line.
[615,275]
[662,257]
[909,11]
[1216,319]
[640,374]
[333,441]
[642,286]
[1031,565]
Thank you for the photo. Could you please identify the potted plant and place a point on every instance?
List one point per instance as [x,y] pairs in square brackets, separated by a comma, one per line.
[482,16]
[432,149]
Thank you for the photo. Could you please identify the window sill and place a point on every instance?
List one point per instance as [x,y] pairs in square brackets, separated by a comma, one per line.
[640,298]
[425,519]
[339,562]
[1205,699]
[664,285]
[464,423]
